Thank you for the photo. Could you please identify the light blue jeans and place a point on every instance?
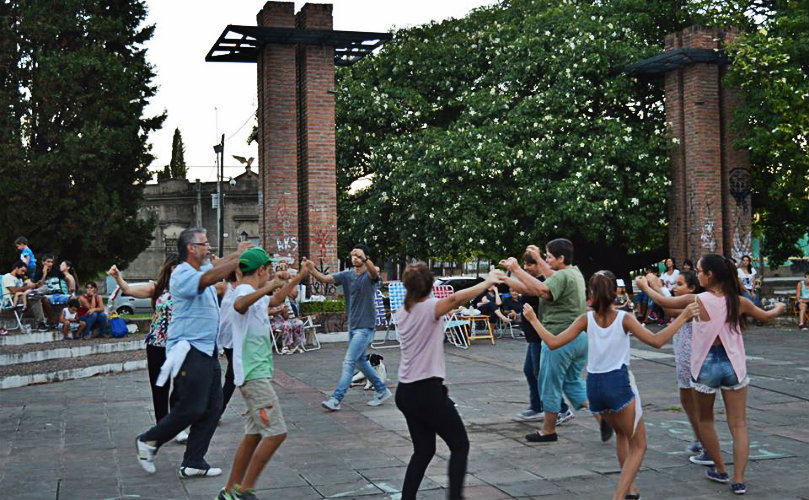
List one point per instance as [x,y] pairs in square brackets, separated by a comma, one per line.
[358,342]
[560,370]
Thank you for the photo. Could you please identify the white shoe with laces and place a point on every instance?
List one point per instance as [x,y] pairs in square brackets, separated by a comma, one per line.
[189,472]
[182,437]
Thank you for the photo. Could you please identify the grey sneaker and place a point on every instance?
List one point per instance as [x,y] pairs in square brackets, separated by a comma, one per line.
[380,398]
[565,417]
[694,447]
[146,455]
[530,415]
[332,404]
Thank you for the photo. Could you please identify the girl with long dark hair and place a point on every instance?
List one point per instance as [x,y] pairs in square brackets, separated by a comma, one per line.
[718,358]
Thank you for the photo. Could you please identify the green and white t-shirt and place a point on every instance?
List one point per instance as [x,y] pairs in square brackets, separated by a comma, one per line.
[252,344]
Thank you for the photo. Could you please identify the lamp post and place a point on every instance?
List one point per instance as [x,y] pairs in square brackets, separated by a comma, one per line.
[219,149]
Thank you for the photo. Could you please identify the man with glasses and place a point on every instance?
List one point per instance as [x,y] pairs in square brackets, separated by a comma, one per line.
[197,396]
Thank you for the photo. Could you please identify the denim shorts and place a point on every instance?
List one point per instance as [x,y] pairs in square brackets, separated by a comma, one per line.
[717,373]
[609,391]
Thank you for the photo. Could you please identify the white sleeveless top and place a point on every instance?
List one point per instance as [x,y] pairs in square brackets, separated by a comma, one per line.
[608,348]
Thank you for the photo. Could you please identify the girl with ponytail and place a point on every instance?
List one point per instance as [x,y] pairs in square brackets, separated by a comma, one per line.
[718,359]
[611,391]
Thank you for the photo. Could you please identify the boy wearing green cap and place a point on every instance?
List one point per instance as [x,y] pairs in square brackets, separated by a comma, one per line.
[264,428]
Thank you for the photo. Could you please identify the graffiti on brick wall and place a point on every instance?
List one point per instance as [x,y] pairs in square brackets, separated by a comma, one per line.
[739,187]
[708,237]
[742,237]
[321,238]
[325,289]
[286,242]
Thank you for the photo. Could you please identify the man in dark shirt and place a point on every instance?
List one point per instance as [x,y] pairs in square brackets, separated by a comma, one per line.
[534,348]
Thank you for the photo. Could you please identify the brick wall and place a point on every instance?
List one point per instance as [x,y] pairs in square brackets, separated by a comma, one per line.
[297,139]
[278,135]
[704,217]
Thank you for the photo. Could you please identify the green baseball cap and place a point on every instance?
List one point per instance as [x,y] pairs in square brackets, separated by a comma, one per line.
[253,258]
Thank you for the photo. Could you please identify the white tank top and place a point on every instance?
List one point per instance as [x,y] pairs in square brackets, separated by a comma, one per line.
[608,348]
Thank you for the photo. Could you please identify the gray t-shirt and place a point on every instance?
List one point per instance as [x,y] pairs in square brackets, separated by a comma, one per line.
[359,292]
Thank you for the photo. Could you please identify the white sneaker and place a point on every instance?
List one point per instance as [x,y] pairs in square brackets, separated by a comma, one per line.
[146,455]
[188,472]
[332,404]
[567,416]
[380,398]
[182,437]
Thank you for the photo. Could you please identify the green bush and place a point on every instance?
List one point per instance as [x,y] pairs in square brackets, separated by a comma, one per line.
[323,307]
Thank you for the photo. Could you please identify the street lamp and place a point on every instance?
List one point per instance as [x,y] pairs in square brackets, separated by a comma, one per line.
[219,149]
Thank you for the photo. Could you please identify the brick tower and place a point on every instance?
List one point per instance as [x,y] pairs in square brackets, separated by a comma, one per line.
[709,198]
[295,56]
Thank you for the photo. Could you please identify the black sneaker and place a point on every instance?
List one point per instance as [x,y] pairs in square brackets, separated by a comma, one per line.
[536,437]
[606,430]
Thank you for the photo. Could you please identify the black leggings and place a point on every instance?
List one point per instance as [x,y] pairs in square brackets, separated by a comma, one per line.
[429,411]
[155,357]
[228,387]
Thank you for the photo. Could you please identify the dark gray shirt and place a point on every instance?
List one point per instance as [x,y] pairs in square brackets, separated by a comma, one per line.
[359,290]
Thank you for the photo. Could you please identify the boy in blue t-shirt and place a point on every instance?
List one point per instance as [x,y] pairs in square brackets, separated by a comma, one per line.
[26,255]
[264,427]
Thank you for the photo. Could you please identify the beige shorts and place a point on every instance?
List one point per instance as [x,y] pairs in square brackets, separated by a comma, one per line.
[261,401]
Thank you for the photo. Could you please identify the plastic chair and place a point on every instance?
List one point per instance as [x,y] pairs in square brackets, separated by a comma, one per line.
[454,327]
[310,328]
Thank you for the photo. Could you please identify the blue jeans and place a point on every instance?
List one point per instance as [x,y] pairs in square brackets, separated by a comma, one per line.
[717,373]
[560,370]
[358,342]
[98,319]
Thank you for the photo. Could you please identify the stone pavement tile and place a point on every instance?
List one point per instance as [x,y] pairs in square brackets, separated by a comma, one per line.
[552,469]
[82,488]
[499,477]
[153,487]
[27,487]
[207,487]
[536,487]
[483,492]
[593,486]
[293,493]
[349,489]
[321,476]
[276,475]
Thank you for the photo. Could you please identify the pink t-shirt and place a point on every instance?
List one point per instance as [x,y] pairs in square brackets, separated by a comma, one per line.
[704,333]
[422,339]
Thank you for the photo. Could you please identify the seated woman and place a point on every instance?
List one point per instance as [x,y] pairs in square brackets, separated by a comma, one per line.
[284,319]
[91,311]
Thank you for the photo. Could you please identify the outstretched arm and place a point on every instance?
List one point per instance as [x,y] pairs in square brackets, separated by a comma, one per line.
[222,268]
[457,299]
[310,266]
[531,285]
[555,341]
[678,302]
[659,339]
[760,314]
[139,291]
[278,297]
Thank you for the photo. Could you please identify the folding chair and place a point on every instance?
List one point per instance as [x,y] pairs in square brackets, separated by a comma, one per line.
[454,327]
[8,307]
[310,332]
[382,319]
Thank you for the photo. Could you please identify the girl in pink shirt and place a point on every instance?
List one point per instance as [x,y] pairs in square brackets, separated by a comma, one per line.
[718,359]
[421,395]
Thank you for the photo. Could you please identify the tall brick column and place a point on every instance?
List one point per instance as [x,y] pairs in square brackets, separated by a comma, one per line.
[709,209]
[317,177]
[278,136]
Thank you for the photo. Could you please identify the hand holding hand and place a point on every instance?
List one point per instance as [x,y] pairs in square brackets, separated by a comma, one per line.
[533,251]
[283,275]
[496,276]
[244,245]
[511,264]
[642,283]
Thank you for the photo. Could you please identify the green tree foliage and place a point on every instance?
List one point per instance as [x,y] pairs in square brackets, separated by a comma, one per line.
[771,66]
[508,127]
[75,147]
[176,169]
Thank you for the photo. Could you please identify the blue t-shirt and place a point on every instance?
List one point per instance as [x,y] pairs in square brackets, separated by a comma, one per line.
[359,290]
[195,313]
[32,261]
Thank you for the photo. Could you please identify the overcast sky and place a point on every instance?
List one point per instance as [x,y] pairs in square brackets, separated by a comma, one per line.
[206,100]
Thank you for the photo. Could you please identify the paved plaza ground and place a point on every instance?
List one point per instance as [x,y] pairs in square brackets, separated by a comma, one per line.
[74,440]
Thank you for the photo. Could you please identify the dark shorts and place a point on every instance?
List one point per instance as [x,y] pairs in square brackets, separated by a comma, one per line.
[609,391]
